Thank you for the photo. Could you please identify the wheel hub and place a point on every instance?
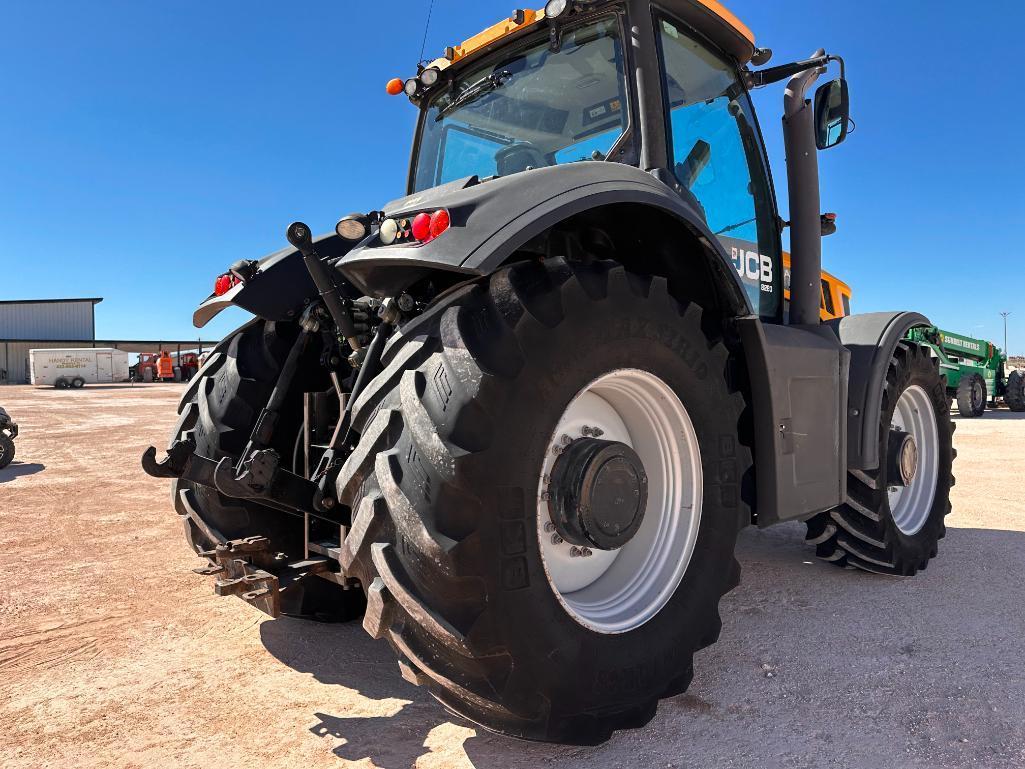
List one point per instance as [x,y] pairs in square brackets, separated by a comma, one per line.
[903,458]
[598,493]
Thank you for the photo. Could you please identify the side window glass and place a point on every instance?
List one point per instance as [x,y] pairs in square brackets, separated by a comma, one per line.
[714,149]
[827,298]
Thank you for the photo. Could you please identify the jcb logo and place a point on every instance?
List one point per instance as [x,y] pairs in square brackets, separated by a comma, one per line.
[753,266]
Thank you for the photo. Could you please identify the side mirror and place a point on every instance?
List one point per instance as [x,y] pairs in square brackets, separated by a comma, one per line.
[832,114]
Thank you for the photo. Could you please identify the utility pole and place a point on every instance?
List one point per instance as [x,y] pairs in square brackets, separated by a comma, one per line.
[1004,315]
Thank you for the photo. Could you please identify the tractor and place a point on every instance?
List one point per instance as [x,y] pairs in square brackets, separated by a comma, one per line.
[516,419]
[8,432]
[976,371]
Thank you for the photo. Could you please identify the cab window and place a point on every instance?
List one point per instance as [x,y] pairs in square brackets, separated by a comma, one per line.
[530,108]
[717,159]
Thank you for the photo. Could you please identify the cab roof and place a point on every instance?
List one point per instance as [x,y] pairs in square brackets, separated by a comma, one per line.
[709,17]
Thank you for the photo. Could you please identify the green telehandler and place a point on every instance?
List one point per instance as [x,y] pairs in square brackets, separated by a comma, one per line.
[976,371]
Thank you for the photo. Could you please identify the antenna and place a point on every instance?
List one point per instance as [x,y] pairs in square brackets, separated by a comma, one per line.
[1004,316]
[423,46]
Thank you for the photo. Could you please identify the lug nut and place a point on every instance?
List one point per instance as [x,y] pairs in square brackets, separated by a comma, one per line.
[549,527]
[557,540]
[586,552]
[545,496]
[575,552]
[566,440]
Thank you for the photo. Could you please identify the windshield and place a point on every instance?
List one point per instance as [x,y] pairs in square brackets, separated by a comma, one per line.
[535,108]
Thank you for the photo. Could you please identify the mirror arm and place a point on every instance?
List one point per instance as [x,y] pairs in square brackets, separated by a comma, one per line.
[772,75]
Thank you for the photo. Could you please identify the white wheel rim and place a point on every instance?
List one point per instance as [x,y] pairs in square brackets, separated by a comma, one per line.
[619,590]
[910,505]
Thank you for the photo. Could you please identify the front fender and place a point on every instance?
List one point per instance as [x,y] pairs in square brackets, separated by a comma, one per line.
[871,339]
[491,220]
[279,289]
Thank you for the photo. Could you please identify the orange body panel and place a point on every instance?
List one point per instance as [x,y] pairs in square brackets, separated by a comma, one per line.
[508,26]
[496,32]
[726,15]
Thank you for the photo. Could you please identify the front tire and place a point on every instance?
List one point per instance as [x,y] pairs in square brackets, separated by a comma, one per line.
[971,396]
[1015,396]
[446,487]
[884,527]
[6,450]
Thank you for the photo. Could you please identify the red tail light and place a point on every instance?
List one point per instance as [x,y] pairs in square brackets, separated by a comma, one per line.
[426,227]
[223,284]
[422,227]
[440,222]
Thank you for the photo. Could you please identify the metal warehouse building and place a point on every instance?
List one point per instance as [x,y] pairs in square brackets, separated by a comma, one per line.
[33,324]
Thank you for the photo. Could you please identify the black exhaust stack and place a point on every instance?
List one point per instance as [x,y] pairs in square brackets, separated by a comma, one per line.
[803,184]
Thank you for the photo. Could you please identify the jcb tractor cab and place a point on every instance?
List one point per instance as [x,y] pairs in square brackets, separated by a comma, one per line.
[517,418]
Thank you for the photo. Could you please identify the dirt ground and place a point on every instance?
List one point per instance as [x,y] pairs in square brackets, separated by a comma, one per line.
[113,654]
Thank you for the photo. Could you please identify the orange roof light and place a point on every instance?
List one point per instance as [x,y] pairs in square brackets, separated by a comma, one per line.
[395,86]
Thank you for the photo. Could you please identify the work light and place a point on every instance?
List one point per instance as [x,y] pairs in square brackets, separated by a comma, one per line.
[556,8]
[430,76]
[353,227]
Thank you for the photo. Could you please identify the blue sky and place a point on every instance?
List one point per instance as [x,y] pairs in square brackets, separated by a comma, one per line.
[145,146]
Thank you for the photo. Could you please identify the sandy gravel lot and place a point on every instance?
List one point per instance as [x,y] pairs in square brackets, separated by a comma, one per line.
[113,654]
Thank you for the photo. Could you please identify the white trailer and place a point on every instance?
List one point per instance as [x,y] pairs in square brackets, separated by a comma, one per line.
[75,368]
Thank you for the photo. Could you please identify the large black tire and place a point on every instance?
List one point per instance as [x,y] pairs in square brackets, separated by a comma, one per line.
[218,411]
[971,396]
[1015,395]
[862,533]
[444,487]
[6,450]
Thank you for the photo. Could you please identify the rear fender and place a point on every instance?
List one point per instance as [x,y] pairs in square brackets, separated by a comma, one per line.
[492,220]
[278,290]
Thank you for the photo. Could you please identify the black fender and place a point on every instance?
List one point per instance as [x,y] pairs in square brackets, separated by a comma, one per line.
[280,287]
[871,339]
[494,218]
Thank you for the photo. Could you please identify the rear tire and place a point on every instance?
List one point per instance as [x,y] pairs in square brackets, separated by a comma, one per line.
[61,384]
[218,411]
[77,383]
[445,485]
[884,531]
[1015,396]
[6,450]
[971,396]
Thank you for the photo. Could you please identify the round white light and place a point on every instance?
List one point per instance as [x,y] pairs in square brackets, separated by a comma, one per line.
[412,86]
[430,76]
[555,8]
[389,231]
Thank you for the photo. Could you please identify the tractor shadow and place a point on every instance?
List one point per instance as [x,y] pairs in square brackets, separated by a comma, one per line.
[19,469]
[834,642]
[344,655]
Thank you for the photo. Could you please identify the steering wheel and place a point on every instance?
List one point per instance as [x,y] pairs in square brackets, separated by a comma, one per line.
[519,156]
